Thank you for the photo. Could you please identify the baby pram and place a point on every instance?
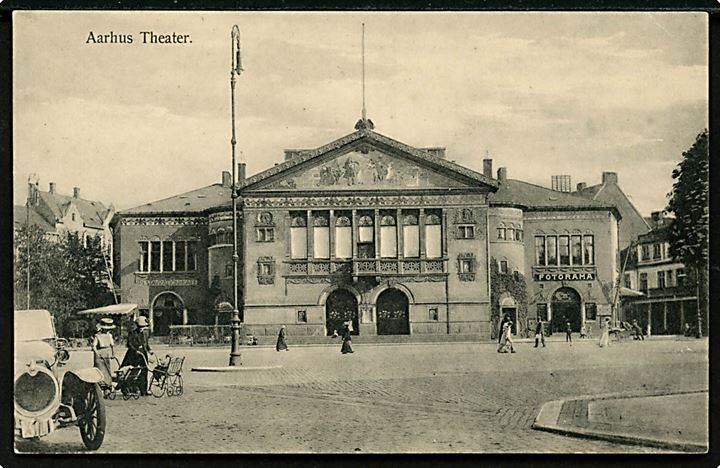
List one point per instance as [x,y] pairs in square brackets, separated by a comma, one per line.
[125,380]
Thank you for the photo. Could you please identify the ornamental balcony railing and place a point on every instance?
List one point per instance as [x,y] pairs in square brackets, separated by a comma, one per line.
[367,267]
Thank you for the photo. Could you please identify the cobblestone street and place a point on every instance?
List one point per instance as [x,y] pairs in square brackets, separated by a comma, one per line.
[410,398]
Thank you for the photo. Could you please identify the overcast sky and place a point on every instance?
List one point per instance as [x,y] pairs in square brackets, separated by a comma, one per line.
[543,93]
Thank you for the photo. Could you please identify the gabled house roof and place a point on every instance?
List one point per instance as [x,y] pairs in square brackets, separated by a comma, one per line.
[615,196]
[523,194]
[20,219]
[92,212]
[373,138]
[194,201]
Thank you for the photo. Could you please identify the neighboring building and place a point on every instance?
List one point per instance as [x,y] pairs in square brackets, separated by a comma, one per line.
[394,238]
[668,300]
[58,214]
[566,246]
[633,224]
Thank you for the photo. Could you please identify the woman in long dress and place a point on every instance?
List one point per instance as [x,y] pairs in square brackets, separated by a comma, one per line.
[347,339]
[506,342]
[281,345]
[605,334]
[103,347]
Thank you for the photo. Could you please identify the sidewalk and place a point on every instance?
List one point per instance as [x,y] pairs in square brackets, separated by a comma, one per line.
[677,421]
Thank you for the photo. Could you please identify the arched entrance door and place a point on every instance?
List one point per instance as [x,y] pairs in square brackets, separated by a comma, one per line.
[167,310]
[393,313]
[341,306]
[566,308]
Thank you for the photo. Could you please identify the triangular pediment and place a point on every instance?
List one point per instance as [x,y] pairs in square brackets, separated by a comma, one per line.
[366,160]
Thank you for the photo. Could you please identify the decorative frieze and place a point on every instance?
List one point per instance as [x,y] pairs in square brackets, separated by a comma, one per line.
[165,221]
[339,201]
[168,281]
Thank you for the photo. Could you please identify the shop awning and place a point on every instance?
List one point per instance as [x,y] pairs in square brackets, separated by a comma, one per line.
[627,292]
[114,309]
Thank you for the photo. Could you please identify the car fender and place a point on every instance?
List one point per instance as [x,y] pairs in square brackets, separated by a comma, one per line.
[88,374]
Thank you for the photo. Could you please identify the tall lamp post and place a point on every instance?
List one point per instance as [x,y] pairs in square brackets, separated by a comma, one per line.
[31,200]
[236,69]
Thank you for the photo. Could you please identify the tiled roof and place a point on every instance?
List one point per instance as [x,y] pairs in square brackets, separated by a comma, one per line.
[20,219]
[370,136]
[659,234]
[195,201]
[92,212]
[517,193]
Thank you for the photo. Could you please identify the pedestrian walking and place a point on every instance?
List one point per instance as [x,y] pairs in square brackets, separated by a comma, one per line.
[505,319]
[637,330]
[138,351]
[347,339]
[103,347]
[687,331]
[589,331]
[568,332]
[605,333]
[539,332]
[583,332]
[281,345]
[506,341]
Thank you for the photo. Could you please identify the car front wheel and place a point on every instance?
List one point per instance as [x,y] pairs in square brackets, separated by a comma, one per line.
[91,416]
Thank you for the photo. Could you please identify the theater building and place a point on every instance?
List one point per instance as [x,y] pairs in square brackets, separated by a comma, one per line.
[394,238]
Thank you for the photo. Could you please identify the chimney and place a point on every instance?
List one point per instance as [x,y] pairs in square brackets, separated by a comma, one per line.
[291,153]
[52,187]
[487,167]
[76,192]
[609,178]
[561,183]
[241,173]
[226,179]
[581,186]
[502,174]
[437,152]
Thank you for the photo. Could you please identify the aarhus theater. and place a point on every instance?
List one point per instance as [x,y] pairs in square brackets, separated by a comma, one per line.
[396,239]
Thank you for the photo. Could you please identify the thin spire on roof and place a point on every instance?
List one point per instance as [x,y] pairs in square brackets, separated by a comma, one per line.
[364,123]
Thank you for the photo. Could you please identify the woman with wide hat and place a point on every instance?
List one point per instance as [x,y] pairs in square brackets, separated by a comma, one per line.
[347,338]
[138,351]
[103,347]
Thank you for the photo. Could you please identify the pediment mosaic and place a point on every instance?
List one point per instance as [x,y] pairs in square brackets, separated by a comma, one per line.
[368,169]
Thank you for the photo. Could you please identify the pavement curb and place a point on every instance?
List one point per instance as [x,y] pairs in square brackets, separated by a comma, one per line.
[547,420]
[233,368]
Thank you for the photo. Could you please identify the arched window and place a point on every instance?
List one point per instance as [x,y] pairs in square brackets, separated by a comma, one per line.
[433,236]
[343,237]
[411,236]
[365,229]
[321,237]
[298,237]
[388,237]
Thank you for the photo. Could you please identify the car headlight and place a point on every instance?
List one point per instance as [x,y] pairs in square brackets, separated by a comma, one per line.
[35,390]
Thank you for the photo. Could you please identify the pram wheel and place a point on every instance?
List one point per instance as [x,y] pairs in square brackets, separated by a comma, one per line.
[156,388]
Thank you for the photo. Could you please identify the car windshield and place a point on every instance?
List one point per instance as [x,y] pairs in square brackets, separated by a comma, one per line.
[33,325]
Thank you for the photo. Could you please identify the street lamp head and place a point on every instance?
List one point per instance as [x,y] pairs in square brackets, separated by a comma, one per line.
[236,59]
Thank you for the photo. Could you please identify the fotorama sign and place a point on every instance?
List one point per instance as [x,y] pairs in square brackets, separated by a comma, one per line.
[564,276]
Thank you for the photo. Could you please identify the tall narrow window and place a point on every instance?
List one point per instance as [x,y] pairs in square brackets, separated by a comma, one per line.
[643,282]
[510,233]
[656,251]
[180,256]
[501,233]
[298,237]
[143,258]
[167,256]
[321,237]
[645,248]
[551,244]
[343,237]
[388,237]
[155,256]
[661,279]
[669,279]
[191,255]
[564,250]
[539,250]
[433,236]
[589,247]
[411,237]
[576,249]
[366,237]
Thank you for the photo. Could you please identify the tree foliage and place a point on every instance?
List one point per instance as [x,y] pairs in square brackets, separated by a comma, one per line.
[66,275]
[689,203]
[515,285]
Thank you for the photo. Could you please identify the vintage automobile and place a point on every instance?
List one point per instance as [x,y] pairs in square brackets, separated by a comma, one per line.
[48,395]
